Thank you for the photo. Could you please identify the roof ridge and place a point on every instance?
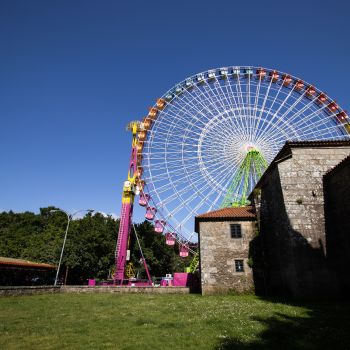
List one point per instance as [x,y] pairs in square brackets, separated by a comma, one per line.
[245,211]
[339,165]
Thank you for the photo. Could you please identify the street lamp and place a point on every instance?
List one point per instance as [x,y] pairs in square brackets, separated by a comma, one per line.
[69,218]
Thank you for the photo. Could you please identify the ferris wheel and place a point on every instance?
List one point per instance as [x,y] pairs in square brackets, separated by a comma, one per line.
[207,140]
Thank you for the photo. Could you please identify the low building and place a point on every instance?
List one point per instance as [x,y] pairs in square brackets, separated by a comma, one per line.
[289,201]
[224,238]
[19,272]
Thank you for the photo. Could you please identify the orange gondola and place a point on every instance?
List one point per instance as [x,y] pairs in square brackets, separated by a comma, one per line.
[152,113]
[139,146]
[142,135]
[160,103]
[139,171]
[147,123]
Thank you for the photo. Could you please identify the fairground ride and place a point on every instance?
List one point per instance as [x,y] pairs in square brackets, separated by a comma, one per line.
[206,142]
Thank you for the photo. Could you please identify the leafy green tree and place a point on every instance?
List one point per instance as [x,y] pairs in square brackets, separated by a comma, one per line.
[90,246]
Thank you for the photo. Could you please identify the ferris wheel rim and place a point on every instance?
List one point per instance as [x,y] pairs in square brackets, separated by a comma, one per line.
[171,90]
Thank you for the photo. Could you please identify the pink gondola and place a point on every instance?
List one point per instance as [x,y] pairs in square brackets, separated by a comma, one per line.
[184,250]
[170,238]
[150,212]
[144,198]
[159,226]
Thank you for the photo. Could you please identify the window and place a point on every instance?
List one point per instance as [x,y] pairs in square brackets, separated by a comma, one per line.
[236,231]
[239,265]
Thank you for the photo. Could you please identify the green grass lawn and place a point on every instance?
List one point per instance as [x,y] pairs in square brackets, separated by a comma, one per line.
[107,321]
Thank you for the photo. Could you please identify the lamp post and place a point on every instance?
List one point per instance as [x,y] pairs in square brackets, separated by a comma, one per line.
[69,218]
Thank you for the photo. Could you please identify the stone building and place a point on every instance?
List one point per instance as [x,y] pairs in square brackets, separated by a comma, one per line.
[336,185]
[224,238]
[291,251]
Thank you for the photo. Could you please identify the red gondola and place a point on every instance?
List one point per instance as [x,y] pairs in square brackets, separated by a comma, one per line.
[310,91]
[332,107]
[159,226]
[170,238]
[342,117]
[150,213]
[261,73]
[298,85]
[322,98]
[287,80]
[144,198]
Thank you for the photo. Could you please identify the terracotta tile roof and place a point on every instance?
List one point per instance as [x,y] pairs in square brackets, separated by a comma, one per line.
[24,263]
[229,213]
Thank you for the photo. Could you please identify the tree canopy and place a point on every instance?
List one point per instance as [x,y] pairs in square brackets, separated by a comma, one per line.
[90,246]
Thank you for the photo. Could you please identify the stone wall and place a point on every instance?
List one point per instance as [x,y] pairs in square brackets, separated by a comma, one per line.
[24,290]
[218,252]
[125,290]
[292,223]
[337,206]
[302,186]
[27,290]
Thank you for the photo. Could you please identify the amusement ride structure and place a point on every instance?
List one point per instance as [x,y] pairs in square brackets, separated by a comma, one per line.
[207,141]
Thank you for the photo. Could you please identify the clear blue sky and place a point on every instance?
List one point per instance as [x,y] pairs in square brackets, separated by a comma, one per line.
[74,72]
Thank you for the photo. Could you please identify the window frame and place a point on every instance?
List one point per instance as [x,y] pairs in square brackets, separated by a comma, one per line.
[235,235]
[239,262]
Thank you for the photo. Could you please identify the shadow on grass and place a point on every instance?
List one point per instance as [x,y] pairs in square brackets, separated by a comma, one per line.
[325,326]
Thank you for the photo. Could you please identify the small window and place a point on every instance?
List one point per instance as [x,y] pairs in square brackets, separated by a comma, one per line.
[236,231]
[239,265]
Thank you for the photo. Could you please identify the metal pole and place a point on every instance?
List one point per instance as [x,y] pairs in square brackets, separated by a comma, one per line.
[64,243]
[143,258]
[69,217]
